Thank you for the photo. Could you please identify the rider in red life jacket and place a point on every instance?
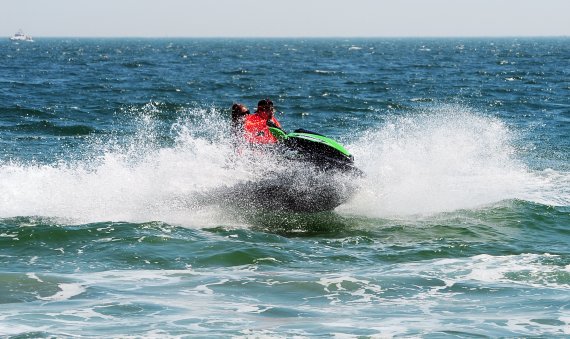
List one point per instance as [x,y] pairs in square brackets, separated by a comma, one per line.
[256,125]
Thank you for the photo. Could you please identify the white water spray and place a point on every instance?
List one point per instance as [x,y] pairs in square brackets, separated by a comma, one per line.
[134,180]
[441,160]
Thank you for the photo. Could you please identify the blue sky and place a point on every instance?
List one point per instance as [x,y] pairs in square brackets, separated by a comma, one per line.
[287,18]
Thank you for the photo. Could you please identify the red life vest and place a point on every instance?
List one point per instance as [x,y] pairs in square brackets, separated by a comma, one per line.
[256,130]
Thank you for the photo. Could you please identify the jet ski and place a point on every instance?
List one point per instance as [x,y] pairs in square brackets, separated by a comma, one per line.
[316,174]
[319,150]
[319,177]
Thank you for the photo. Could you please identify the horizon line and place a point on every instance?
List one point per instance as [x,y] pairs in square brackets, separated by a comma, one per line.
[301,37]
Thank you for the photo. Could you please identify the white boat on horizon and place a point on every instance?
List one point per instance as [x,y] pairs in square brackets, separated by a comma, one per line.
[20,36]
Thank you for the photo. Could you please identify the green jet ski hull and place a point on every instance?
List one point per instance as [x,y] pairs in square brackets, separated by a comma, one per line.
[317,149]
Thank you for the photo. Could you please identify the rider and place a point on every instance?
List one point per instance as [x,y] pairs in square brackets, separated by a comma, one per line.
[239,113]
[256,125]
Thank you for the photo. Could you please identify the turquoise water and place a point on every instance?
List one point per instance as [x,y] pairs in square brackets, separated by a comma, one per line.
[460,226]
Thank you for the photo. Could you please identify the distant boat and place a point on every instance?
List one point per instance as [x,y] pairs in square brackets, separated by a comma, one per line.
[20,36]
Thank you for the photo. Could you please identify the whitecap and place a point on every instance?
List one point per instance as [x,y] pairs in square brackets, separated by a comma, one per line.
[67,291]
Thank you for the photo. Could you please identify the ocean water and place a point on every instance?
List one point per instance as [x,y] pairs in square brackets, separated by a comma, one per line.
[460,226]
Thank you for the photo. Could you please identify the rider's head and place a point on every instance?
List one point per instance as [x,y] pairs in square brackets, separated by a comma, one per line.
[238,111]
[265,108]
